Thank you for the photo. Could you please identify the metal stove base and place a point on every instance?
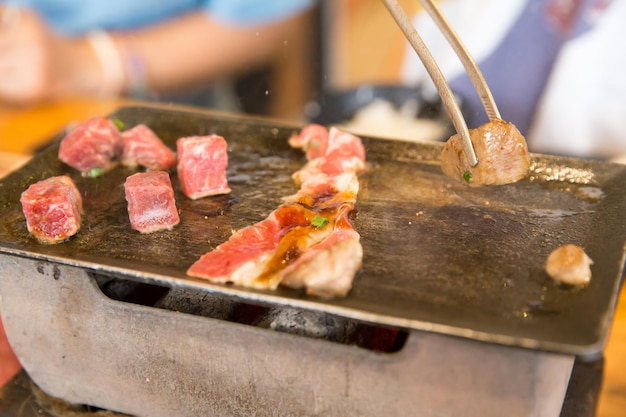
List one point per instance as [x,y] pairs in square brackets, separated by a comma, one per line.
[85,348]
[21,398]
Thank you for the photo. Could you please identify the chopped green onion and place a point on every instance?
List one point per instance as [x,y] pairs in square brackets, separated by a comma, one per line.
[120,125]
[319,221]
[467,176]
[94,172]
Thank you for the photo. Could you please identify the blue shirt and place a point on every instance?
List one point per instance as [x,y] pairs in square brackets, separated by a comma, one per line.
[74,17]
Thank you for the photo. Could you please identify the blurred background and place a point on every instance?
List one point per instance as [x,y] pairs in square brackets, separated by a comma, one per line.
[552,65]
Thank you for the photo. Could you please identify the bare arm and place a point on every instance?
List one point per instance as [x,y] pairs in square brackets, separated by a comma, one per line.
[37,64]
[196,48]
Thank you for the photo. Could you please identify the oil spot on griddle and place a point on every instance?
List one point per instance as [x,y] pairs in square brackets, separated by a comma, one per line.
[551,213]
[16,227]
[40,268]
[535,308]
[56,273]
[589,194]
[239,179]
[210,207]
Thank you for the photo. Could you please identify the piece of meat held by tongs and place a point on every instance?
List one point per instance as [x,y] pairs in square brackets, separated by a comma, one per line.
[494,153]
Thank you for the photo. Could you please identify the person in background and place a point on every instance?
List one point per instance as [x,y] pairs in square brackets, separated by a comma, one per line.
[555,68]
[139,48]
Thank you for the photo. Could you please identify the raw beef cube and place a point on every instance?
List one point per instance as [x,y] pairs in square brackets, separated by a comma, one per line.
[92,147]
[143,147]
[202,162]
[151,204]
[52,208]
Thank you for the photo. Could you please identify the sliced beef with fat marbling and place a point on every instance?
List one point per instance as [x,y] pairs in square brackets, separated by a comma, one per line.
[308,242]
[313,140]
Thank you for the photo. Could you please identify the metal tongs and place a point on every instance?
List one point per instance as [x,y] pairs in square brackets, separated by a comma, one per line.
[437,76]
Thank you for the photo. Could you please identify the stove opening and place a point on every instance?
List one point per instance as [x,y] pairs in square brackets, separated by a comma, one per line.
[314,324]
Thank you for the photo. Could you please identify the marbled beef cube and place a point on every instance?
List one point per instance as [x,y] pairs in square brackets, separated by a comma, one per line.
[52,208]
[143,147]
[202,162]
[151,203]
[92,147]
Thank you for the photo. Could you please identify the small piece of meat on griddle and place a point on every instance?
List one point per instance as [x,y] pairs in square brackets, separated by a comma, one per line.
[144,148]
[202,163]
[52,208]
[151,203]
[93,147]
[502,155]
[569,264]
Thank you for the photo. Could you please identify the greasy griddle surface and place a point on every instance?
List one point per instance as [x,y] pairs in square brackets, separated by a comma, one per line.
[438,255]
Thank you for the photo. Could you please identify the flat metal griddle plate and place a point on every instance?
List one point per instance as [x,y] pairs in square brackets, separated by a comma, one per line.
[438,256]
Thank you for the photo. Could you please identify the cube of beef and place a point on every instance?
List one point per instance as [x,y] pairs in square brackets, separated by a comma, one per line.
[92,147]
[143,147]
[52,208]
[202,162]
[151,203]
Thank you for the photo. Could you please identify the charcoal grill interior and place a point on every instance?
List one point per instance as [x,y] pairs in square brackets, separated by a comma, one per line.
[290,320]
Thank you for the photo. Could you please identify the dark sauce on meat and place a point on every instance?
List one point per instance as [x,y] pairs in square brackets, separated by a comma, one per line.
[296,234]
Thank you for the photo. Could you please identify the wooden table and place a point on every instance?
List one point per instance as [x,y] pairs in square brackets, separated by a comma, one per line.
[23,130]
